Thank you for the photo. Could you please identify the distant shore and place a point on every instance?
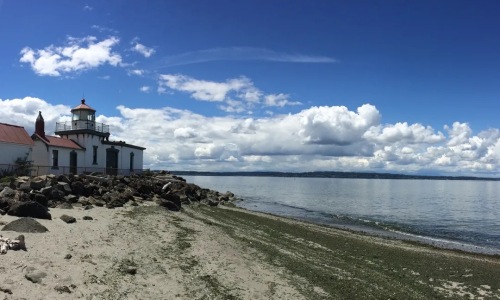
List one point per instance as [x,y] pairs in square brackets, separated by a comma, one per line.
[354,175]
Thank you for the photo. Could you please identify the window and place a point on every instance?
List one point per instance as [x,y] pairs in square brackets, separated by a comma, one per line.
[131,161]
[55,159]
[94,160]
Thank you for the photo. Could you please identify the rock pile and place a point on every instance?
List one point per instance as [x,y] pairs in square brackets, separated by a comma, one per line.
[33,196]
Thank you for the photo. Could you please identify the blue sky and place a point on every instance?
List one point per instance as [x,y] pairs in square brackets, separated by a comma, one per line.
[383,86]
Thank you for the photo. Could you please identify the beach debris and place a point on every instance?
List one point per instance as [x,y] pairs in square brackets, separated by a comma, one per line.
[87,218]
[25,225]
[68,256]
[12,244]
[68,219]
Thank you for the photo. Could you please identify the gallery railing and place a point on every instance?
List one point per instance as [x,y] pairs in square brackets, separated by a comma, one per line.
[80,125]
[12,169]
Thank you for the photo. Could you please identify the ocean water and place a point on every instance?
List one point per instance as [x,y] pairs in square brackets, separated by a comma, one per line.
[462,215]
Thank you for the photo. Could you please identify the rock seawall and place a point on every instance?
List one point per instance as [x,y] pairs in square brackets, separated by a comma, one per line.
[33,196]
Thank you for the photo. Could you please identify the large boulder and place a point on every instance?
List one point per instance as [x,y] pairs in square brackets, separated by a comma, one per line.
[7,192]
[78,188]
[30,209]
[170,201]
[25,225]
[64,187]
[37,184]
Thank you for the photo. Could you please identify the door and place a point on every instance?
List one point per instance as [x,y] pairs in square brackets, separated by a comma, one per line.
[73,165]
[112,161]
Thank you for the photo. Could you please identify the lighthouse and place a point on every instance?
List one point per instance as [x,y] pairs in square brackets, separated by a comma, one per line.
[83,145]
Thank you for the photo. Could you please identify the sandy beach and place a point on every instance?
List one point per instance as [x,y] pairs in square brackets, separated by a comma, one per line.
[202,252]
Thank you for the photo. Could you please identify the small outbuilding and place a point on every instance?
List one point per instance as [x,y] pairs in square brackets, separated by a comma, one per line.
[15,145]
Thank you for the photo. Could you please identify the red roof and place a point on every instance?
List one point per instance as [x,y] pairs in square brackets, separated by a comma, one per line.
[14,134]
[59,142]
[83,106]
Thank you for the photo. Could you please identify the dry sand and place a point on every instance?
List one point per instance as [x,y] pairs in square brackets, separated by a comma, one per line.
[147,254]
[222,253]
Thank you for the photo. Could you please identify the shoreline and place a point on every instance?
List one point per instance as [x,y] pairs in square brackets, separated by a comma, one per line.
[435,242]
[206,252]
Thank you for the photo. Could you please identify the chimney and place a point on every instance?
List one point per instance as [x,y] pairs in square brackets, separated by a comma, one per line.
[40,125]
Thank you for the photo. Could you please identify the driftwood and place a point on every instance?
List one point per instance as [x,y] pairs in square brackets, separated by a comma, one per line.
[9,244]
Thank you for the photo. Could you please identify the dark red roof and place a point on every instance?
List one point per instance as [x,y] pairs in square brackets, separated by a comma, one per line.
[83,106]
[60,142]
[14,134]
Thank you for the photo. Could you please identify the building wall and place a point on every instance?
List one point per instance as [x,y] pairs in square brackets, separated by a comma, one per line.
[11,152]
[124,157]
[40,154]
[86,158]
[43,160]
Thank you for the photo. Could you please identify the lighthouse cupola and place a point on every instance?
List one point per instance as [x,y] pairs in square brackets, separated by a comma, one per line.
[83,112]
[82,121]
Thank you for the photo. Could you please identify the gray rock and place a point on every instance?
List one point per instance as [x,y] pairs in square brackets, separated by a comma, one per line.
[7,192]
[65,187]
[78,187]
[62,289]
[68,219]
[65,205]
[37,184]
[25,225]
[35,276]
[87,218]
[29,209]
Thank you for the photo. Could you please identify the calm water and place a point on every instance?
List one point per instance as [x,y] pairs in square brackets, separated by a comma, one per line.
[458,214]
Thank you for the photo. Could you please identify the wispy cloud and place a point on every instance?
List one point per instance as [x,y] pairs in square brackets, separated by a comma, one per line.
[87,8]
[241,53]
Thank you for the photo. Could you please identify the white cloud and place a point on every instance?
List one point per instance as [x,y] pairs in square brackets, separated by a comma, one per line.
[415,133]
[23,112]
[337,125]
[145,89]
[88,7]
[140,48]
[77,55]
[317,138]
[280,100]
[137,72]
[238,94]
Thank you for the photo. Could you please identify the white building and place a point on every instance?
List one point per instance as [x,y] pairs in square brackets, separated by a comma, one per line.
[15,144]
[83,145]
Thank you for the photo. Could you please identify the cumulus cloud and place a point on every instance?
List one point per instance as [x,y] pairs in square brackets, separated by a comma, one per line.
[77,55]
[402,132]
[237,94]
[337,125]
[24,111]
[140,48]
[316,138]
